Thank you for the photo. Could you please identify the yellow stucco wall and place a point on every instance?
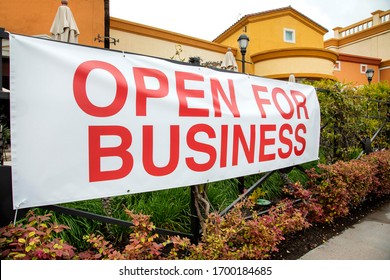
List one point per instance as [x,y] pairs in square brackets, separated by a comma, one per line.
[266,32]
[371,47]
[136,43]
[269,34]
[36,17]
[299,66]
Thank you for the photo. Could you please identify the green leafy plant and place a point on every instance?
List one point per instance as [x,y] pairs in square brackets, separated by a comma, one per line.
[257,193]
[349,115]
[168,209]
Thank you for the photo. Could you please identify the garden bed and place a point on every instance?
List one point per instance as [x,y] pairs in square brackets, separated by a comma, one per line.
[334,198]
[299,243]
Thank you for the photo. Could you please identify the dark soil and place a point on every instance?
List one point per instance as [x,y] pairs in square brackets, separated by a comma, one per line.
[299,243]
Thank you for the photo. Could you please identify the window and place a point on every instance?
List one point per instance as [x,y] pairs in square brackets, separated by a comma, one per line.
[289,35]
[363,68]
[337,66]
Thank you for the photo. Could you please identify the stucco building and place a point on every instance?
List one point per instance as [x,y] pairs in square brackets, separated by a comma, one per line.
[363,45]
[35,18]
[282,41]
[148,40]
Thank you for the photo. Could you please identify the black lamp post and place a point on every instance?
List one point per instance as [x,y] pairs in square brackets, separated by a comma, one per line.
[243,41]
[369,75]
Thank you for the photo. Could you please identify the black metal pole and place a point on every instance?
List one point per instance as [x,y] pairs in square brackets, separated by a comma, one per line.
[248,192]
[243,60]
[7,213]
[106,24]
[1,89]
[105,219]
[3,35]
[1,60]
[373,137]
[241,180]
[195,223]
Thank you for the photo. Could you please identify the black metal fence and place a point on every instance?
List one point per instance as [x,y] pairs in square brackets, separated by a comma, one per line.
[7,214]
[377,109]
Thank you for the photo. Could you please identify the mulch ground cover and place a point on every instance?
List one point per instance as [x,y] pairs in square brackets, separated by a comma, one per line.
[298,244]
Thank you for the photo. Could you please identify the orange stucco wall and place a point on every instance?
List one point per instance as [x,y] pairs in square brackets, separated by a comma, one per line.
[36,17]
[385,75]
[350,73]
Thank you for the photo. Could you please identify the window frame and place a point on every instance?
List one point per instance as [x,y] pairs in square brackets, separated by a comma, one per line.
[293,40]
[363,68]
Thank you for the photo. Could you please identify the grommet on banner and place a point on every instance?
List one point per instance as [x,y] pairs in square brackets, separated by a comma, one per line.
[123,52]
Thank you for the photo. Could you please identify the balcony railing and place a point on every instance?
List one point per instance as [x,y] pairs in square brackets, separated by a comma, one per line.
[377,18]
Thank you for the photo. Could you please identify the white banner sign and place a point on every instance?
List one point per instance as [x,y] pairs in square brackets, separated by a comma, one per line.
[90,123]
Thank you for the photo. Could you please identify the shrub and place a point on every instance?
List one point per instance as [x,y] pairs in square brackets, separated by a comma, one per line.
[232,236]
[309,206]
[381,172]
[235,236]
[142,243]
[240,234]
[342,185]
[348,115]
[34,240]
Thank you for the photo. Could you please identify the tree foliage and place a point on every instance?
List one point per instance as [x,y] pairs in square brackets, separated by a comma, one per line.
[349,115]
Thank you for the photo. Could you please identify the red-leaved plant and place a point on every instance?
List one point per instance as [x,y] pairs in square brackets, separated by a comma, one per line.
[142,243]
[343,185]
[240,234]
[35,240]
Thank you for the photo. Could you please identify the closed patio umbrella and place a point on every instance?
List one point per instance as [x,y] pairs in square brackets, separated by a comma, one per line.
[64,27]
[229,61]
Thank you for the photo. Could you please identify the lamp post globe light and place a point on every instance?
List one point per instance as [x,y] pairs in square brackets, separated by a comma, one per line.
[243,41]
[369,75]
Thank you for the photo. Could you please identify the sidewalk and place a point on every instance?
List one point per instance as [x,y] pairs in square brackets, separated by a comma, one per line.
[367,240]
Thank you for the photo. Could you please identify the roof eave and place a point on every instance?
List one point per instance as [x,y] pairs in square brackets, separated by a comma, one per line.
[266,15]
